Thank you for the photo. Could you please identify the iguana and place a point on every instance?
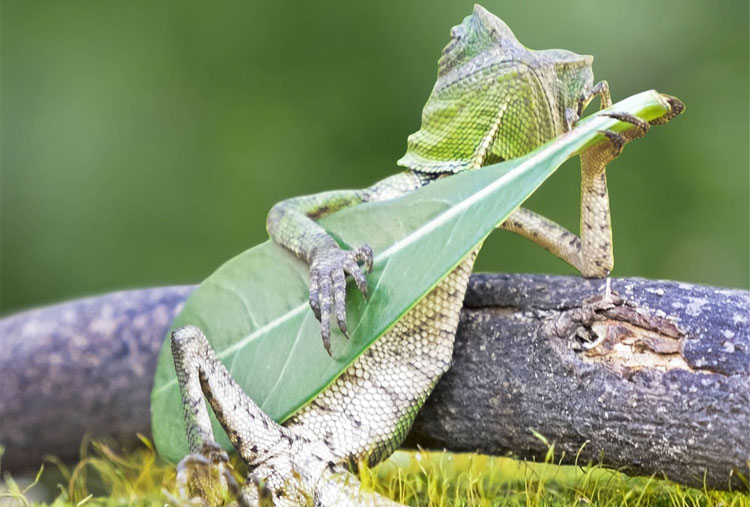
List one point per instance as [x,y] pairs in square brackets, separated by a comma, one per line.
[493,100]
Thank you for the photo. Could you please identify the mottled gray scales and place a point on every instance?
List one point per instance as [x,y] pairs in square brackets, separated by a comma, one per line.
[385,387]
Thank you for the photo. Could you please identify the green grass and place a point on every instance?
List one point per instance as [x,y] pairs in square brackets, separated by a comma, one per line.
[105,477]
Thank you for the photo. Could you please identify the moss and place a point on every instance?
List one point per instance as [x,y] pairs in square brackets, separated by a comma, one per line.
[106,477]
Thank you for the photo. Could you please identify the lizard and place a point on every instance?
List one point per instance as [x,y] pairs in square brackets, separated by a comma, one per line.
[493,100]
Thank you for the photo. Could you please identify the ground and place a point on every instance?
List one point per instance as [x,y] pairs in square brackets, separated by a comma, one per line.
[105,477]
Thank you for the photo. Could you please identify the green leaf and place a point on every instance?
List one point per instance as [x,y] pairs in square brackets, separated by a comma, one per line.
[254,308]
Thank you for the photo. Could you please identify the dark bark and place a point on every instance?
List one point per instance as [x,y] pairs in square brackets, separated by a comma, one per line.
[657,383]
[665,391]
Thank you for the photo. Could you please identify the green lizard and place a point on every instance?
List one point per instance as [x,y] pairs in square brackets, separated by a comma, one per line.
[493,100]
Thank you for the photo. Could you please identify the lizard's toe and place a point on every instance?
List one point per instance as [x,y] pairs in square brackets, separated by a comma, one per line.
[339,299]
[676,107]
[315,292]
[616,140]
[363,253]
[205,478]
[641,126]
[325,312]
[351,267]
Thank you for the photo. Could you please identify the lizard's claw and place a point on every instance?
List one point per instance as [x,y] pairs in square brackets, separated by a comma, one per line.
[328,272]
[675,107]
[205,478]
[641,126]
[616,140]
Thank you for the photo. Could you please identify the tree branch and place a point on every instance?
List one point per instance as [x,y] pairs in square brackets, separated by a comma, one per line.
[657,382]
[665,389]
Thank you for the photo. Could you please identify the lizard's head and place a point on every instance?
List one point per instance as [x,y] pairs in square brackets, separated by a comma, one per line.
[476,42]
[494,99]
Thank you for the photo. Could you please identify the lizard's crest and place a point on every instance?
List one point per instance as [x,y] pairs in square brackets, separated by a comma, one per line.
[482,33]
[494,99]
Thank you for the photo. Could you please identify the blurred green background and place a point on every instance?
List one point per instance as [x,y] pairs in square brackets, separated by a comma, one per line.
[144,142]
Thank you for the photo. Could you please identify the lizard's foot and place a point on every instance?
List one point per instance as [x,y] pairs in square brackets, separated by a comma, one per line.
[676,107]
[640,126]
[205,478]
[328,271]
[618,140]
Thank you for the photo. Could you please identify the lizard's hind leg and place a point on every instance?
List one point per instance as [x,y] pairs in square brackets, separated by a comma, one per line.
[287,467]
[199,374]
[204,474]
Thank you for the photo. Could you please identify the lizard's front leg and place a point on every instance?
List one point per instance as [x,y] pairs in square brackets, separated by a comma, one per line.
[591,253]
[291,223]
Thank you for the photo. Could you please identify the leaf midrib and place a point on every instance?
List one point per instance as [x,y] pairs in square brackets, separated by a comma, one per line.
[397,246]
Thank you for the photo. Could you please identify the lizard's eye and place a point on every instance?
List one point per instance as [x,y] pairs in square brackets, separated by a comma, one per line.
[457,35]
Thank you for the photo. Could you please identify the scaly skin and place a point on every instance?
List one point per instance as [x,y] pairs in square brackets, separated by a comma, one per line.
[494,100]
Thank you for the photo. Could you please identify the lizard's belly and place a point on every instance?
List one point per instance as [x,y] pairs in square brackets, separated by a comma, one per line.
[369,409]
